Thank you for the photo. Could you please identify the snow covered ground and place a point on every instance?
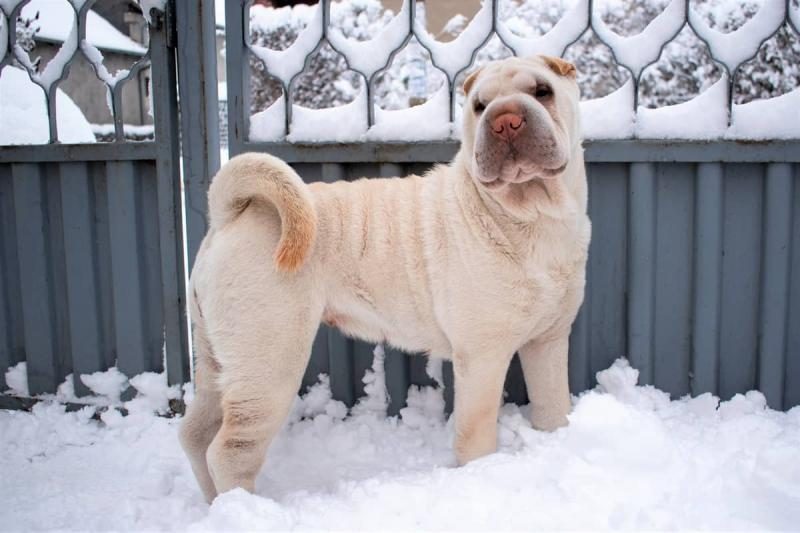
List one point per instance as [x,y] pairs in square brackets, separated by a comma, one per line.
[630,459]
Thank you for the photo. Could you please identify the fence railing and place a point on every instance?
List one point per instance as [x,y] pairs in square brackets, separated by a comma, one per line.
[91,243]
[369,59]
[694,268]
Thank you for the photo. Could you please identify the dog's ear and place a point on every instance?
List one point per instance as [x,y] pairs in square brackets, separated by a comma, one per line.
[560,67]
[470,80]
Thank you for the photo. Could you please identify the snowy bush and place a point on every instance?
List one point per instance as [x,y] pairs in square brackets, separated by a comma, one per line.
[684,69]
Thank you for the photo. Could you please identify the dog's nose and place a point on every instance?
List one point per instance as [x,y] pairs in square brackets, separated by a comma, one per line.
[507,125]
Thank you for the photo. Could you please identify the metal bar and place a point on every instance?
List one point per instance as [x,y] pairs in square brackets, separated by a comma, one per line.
[741,265]
[340,367]
[170,210]
[707,279]
[197,85]
[81,276]
[35,281]
[129,310]
[398,378]
[78,152]
[580,376]
[363,356]
[151,219]
[775,266]
[641,268]
[105,282]
[238,75]
[10,313]
[449,386]
[607,264]
[672,310]
[616,151]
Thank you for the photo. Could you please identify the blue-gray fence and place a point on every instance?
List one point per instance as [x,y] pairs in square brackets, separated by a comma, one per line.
[91,241]
[694,269]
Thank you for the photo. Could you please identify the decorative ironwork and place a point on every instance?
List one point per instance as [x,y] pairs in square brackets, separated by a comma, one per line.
[57,69]
[634,53]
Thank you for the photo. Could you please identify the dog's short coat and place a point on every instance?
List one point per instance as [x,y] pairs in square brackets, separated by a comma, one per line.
[473,262]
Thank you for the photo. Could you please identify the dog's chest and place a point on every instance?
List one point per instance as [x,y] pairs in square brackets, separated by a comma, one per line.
[546,286]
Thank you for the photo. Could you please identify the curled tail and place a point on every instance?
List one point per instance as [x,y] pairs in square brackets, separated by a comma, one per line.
[261,177]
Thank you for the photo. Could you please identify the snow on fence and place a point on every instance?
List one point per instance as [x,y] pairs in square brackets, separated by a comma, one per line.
[75,45]
[710,115]
[694,270]
[91,245]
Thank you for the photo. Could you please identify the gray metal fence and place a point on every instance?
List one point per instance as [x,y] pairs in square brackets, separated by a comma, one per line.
[91,243]
[694,267]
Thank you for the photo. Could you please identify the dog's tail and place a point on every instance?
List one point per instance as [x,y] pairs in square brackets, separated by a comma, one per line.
[263,178]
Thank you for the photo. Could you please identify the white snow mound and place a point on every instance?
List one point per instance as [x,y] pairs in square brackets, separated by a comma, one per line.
[629,459]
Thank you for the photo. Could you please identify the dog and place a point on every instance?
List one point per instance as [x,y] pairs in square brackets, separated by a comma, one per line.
[472,262]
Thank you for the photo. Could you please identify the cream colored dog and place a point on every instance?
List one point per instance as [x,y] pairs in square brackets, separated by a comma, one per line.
[473,262]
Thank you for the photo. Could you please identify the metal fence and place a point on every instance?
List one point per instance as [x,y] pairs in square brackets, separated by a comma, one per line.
[694,267]
[91,243]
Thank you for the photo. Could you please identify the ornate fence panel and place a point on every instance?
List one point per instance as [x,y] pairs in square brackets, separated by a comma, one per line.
[91,247]
[694,268]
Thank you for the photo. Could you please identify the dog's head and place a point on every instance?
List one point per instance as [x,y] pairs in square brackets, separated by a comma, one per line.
[521,121]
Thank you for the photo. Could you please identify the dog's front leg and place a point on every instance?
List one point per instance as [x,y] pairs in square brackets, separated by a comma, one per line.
[544,364]
[479,381]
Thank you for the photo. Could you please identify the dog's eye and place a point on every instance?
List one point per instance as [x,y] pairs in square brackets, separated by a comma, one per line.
[542,92]
[478,106]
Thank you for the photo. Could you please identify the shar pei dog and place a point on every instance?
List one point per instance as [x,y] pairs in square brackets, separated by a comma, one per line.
[476,260]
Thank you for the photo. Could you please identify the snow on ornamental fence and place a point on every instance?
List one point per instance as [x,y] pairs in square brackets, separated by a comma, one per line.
[711,114]
[57,69]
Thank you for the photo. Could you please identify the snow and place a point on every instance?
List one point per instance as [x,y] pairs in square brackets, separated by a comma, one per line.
[425,122]
[286,64]
[571,25]
[219,13]
[17,379]
[144,130]
[372,55]
[638,51]
[107,383]
[773,118]
[269,124]
[454,56]
[738,46]
[630,458]
[609,117]
[335,124]
[703,117]
[95,57]
[148,5]
[23,113]
[57,19]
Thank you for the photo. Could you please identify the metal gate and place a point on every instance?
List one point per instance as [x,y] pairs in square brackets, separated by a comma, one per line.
[91,247]
[694,270]
[694,267]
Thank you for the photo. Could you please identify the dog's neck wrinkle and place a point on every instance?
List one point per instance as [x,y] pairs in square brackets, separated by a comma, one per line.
[519,226]
[479,214]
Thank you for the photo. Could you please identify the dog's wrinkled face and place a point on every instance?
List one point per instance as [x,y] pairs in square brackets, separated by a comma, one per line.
[520,120]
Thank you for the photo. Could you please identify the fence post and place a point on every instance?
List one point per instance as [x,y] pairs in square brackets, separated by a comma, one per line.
[199,118]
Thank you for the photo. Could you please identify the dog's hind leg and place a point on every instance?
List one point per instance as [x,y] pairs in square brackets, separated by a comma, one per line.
[263,363]
[204,414]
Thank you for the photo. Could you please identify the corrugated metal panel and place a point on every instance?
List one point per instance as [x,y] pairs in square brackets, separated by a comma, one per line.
[91,245]
[694,274]
[81,269]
